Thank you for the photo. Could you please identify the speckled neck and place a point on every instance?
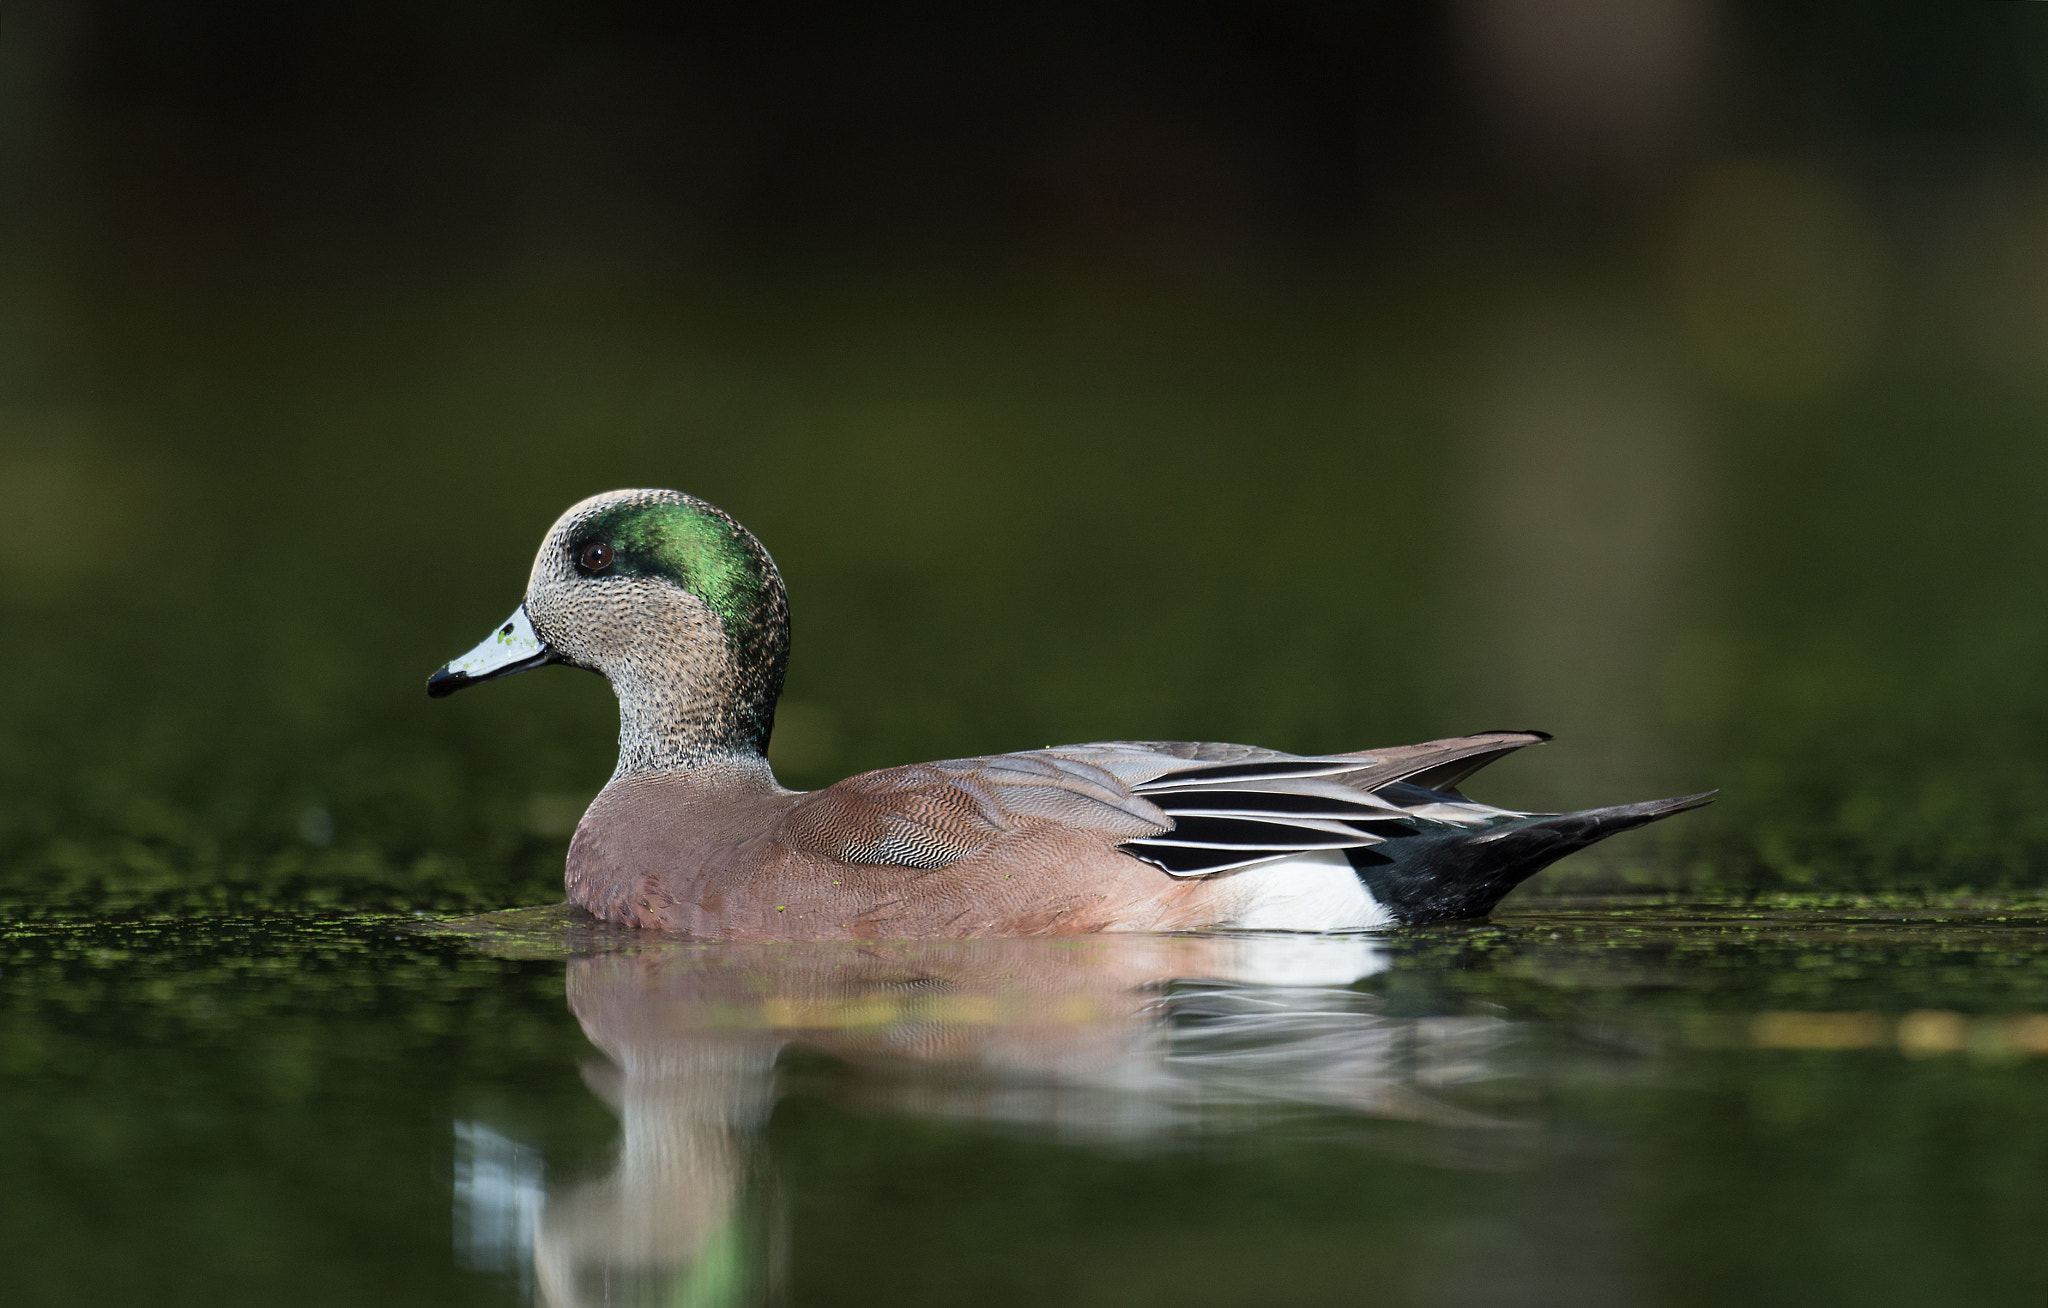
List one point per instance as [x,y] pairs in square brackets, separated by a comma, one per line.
[667,724]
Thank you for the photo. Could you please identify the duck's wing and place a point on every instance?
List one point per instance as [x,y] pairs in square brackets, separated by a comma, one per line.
[928,815]
[1438,765]
[1190,808]
[1238,806]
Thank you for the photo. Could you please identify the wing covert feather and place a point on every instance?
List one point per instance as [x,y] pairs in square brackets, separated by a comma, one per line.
[928,815]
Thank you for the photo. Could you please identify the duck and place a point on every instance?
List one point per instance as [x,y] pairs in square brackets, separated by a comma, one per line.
[685,614]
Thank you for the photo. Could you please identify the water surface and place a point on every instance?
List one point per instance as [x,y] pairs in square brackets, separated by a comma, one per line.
[1581,1102]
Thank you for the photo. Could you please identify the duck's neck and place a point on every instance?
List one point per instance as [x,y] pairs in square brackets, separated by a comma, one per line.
[667,725]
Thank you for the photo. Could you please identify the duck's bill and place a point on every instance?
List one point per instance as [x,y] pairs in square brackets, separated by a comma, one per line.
[513,647]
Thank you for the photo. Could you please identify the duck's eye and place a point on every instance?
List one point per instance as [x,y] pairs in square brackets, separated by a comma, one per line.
[596,557]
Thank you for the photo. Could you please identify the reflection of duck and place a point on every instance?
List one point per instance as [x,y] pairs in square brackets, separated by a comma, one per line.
[1122,1038]
[685,614]
[673,1222]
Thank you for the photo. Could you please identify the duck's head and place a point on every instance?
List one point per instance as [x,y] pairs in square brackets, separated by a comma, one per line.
[676,604]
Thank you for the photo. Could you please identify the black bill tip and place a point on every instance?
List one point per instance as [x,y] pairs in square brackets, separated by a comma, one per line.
[446,680]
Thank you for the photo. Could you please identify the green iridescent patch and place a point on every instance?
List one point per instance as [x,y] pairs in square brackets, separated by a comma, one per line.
[698,547]
[694,546]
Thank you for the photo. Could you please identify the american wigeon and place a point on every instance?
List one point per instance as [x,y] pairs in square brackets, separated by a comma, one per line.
[684,613]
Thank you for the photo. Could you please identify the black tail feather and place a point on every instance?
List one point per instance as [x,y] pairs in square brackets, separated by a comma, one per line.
[1435,876]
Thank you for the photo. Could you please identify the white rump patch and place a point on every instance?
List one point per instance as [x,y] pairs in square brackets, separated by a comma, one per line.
[1316,891]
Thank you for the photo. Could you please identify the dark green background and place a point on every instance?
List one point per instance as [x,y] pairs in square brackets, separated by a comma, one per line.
[1159,371]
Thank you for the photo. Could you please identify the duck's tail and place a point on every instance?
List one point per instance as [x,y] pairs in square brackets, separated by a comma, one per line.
[1438,874]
